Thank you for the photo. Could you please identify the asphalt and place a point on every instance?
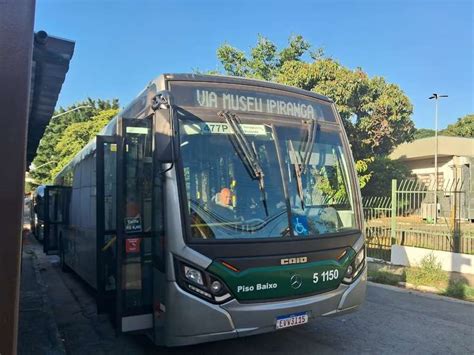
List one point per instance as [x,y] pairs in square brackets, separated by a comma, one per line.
[392,321]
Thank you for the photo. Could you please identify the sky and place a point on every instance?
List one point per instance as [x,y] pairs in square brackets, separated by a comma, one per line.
[422,46]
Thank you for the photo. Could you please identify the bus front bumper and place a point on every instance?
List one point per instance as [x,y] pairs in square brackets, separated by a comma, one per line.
[191,320]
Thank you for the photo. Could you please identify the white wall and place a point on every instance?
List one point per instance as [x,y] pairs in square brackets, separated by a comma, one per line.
[426,167]
[411,256]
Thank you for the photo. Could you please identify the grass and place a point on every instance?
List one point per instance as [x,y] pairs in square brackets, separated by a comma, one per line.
[428,273]
[461,290]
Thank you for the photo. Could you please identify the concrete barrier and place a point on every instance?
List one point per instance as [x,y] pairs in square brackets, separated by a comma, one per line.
[411,256]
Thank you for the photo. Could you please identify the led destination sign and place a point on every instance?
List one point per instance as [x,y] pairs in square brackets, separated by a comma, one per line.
[241,100]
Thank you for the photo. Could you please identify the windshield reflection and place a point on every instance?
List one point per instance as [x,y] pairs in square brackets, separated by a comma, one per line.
[318,184]
[227,199]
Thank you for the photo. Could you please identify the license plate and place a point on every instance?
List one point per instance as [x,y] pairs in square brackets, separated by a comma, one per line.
[291,320]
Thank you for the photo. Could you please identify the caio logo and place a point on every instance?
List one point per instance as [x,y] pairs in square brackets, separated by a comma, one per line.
[297,260]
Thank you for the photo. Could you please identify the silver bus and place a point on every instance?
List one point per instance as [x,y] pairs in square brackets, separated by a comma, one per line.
[37,213]
[214,207]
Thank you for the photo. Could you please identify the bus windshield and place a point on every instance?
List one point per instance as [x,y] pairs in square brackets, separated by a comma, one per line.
[227,200]
[318,187]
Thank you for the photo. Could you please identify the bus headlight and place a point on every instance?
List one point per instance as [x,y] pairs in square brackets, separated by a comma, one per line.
[201,283]
[193,275]
[357,265]
[359,259]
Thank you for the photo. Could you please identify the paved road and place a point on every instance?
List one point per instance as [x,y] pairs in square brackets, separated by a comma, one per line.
[390,321]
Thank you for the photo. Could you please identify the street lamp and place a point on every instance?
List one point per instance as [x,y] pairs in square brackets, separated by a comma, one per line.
[436,97]
[32,167]
[72,110]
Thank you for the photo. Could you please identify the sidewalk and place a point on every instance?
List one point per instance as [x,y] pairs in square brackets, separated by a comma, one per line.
[38,332]
[58,313]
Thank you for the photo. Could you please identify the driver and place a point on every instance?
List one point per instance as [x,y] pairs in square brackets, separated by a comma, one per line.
[224,198]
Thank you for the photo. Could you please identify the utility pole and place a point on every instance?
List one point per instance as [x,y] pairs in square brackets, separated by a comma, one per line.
[436,97]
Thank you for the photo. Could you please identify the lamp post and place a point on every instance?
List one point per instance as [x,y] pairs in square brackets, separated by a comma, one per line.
[32,167]
[72,110]
[436,97]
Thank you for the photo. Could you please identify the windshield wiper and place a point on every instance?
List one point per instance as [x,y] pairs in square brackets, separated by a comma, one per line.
[247,152]
[302,159]
[306,148]
[298,171]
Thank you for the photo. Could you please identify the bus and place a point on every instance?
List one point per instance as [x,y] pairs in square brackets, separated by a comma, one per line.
[214,207]
[37,213]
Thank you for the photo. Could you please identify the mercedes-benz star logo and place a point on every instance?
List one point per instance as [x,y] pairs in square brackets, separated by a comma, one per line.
[296,281]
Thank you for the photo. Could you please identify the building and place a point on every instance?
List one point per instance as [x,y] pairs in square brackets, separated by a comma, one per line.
[455,165]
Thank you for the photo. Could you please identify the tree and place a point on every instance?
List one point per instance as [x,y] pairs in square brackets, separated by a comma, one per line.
[464,127]
[376,114]
[265,61]
[46,158]
[76,136]
[384,170]
[424,133]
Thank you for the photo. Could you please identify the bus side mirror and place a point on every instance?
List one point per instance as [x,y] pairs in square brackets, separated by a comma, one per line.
[162,105]
[164,150]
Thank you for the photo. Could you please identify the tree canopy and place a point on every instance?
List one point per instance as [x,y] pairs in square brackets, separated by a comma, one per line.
[66,134]
[424,133]
[265,61]
[77,135]
[464,127]
[376,114]
[384,170]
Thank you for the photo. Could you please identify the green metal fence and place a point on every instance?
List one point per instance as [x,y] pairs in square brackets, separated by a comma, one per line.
[377,216]
[411,217]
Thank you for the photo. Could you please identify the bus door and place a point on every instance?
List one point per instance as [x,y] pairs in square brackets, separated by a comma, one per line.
[56,200]
[134,224]
[106,216]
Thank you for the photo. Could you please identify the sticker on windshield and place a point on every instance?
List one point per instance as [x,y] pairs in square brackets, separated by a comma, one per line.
[254,129]
[300,225]
[215,128]
[223,128]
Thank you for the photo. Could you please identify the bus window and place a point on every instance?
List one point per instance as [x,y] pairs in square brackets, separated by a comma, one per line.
[136,273]
[110,186]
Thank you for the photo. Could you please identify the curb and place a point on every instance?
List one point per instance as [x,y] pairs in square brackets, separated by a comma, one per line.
[420,293]
[421,288]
